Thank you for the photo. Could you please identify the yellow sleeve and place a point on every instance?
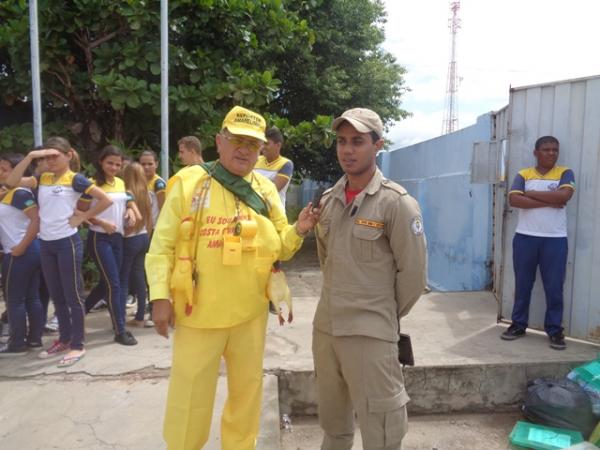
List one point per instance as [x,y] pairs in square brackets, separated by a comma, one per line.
[170,184]
[161,256]
[290,240]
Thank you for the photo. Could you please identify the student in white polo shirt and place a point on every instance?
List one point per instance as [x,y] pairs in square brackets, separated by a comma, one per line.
[19,226]
[61,248]
[105,240]
[541,193]
[272,165]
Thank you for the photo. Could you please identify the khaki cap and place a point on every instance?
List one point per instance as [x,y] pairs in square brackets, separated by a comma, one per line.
[243,122]
[362,119]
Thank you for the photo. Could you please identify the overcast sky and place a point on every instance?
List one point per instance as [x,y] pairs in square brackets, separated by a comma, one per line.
[501,43]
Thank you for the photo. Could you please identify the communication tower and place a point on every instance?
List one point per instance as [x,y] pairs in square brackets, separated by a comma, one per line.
[450,122]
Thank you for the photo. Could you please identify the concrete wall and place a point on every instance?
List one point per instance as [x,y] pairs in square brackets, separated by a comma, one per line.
[439,389]
[456,213]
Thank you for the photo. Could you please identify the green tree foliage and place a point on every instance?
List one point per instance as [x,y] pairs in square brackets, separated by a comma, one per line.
[298,61]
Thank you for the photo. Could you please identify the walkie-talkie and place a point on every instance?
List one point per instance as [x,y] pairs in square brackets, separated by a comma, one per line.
[317,197]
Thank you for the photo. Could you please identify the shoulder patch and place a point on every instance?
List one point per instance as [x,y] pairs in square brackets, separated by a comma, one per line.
[416,226]
[393,186]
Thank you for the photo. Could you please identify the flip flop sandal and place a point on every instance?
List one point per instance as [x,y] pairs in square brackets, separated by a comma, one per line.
[68,361]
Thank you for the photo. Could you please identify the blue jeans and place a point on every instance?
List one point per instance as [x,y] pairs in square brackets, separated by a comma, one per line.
[550,254]
[132,271]
[61,264]
[106,250]
[21,276]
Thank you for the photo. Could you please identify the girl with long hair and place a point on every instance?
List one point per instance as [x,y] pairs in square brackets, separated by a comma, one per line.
[156,185]
[105,240]
[19,226]
[136,242]
[61,249]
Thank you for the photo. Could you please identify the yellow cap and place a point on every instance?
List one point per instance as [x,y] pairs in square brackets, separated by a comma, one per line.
[243,122]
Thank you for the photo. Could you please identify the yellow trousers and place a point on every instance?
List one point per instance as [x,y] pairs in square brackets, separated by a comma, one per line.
[197,355]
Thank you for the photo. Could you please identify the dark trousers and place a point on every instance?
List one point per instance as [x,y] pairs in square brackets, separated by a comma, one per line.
[550,254]
[106,250]
[21,276]
[132,271]
[44,298]
[61,264]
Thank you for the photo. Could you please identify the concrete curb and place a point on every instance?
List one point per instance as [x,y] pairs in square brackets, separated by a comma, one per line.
[438,389]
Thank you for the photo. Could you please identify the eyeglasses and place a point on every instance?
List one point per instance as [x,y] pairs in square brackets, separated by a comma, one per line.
[238,142]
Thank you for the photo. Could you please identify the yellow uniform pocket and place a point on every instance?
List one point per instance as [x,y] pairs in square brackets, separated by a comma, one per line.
[232,251]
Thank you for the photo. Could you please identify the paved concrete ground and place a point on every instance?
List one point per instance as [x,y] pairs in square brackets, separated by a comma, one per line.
[91,413]
[432,432]
[122,389]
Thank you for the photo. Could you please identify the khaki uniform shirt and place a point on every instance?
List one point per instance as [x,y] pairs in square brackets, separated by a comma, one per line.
[373,257]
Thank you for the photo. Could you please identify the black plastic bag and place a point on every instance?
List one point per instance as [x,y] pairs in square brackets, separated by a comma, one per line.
[559,403]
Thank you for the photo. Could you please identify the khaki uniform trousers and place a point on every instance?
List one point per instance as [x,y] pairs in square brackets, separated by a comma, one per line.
[364,374]
[197,355]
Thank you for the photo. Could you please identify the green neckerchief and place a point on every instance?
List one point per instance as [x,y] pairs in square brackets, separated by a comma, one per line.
[237,186]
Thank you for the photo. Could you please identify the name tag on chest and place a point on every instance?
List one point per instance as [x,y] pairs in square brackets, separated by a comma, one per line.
[369,223]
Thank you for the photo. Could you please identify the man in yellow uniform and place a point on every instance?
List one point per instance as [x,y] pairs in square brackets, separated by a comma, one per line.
[372,252]
[220,231]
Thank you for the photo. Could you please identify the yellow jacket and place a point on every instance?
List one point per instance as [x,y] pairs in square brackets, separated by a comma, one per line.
[226,295]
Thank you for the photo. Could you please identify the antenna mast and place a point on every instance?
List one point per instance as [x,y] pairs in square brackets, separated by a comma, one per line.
[450,122]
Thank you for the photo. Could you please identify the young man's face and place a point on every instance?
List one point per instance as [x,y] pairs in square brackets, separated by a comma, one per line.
[271,149]
[356,151]
[149,165]
[238,154]
[186,155]
[547,154]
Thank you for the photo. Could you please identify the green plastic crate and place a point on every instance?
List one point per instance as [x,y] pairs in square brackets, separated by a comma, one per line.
[539,437]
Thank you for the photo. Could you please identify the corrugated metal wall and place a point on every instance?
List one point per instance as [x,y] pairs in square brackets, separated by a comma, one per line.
[457,214]
[570,111]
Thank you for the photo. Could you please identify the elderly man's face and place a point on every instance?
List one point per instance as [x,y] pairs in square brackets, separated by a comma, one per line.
[238,154]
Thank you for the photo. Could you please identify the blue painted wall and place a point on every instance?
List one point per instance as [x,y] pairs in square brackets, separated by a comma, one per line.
[457,214]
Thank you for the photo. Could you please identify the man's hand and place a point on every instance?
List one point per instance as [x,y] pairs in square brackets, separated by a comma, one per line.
[559,197]
[162,316]
[307,219]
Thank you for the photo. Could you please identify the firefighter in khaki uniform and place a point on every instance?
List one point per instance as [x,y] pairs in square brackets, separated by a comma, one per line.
[373,255]
[220,231]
